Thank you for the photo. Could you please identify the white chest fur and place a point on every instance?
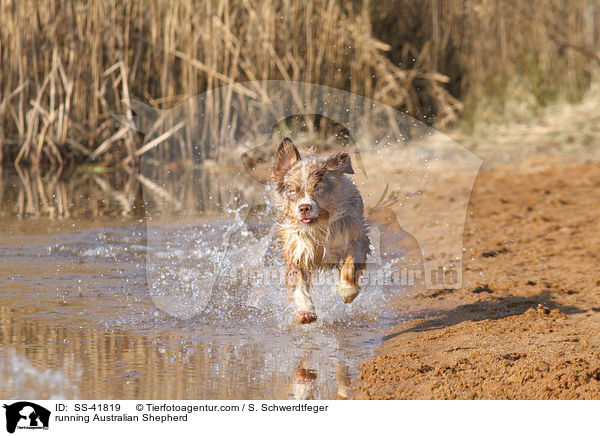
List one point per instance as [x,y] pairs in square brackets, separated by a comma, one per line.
[314,245]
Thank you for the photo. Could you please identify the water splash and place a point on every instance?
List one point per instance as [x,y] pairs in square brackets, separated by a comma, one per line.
[20,379]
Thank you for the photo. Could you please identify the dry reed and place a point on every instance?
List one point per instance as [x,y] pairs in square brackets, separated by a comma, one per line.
[506,59]
[68,65]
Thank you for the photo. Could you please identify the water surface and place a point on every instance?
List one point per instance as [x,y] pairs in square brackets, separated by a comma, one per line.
[83,312]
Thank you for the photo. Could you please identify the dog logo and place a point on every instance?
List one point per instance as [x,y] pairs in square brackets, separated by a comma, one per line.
[26,415]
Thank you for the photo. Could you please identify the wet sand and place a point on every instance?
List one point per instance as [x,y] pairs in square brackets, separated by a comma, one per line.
[525,323]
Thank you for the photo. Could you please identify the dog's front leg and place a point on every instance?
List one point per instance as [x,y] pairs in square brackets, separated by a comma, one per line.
[347,286]
[298,284]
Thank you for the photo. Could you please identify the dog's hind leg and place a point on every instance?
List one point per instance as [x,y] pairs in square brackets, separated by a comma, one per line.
[298,285]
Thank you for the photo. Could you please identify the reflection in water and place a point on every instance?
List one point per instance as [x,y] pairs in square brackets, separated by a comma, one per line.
[305,384]
[77,319]
[156,359]
[96,191]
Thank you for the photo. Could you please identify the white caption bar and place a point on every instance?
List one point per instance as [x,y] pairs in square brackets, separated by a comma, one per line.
[23,417]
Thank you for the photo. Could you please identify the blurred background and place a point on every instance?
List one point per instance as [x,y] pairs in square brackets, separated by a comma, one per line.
[459,65]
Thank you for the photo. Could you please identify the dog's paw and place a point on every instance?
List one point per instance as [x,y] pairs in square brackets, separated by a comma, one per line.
[305,318]
[347,292]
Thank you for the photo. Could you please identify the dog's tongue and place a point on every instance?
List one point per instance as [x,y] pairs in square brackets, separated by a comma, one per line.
[306,220]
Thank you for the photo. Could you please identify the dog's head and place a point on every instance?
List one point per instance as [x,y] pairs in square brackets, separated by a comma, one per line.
[309,185]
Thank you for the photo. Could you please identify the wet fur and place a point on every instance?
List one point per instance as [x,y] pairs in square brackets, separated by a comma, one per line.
[337,239]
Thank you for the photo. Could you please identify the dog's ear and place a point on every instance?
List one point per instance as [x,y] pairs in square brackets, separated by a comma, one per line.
[339,162]
[287,155]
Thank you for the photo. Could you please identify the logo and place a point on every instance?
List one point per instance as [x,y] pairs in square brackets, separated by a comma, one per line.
[422,178]
[26,415]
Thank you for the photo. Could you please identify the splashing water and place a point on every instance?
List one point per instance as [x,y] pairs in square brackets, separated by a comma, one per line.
[79,308]
[226,280]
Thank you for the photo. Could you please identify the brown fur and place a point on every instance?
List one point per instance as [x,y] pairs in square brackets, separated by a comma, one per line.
[321,223]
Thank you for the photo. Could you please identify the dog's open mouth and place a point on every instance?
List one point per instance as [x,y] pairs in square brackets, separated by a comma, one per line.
[308,220]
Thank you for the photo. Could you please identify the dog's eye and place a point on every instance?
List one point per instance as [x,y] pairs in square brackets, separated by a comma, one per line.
[291,191]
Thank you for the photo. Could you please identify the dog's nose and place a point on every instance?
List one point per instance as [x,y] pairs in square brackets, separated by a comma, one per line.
[304,209]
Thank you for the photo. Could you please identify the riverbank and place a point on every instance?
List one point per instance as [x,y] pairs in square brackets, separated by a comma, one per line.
[524,324]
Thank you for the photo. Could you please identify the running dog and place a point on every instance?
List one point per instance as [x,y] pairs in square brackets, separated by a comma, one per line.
[321,223]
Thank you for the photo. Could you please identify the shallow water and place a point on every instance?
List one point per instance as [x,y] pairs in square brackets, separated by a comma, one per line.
[97,308]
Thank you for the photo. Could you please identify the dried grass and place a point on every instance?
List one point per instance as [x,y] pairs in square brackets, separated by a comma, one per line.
[68,65]
[504,58]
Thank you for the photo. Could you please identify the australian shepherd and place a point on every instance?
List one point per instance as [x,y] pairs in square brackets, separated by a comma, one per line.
[321,223]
